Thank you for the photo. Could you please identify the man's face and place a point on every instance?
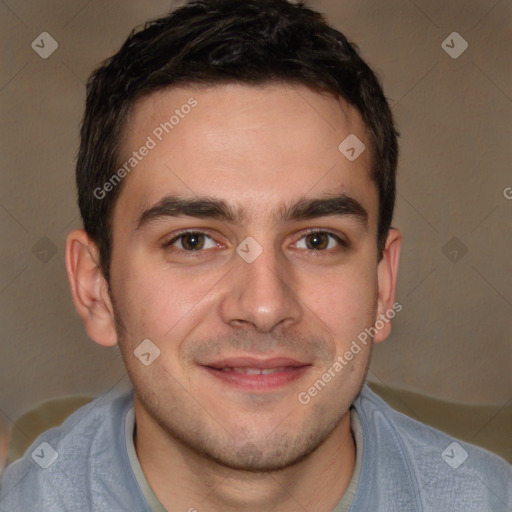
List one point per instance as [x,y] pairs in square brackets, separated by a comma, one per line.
[218,315]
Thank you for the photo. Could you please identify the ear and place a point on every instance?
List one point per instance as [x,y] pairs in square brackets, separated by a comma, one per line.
[89,288]
[387,272]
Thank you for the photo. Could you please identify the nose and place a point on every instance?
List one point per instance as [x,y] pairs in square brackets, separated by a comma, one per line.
[261,294]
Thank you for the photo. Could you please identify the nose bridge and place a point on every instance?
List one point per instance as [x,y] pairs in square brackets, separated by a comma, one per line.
[262,289]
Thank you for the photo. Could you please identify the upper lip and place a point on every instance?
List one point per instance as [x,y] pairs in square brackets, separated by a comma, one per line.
[252,362]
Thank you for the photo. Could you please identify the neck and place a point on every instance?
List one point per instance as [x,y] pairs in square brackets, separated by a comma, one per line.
[184,480]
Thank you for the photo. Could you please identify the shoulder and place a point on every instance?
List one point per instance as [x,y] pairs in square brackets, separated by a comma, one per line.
[444,470]
[64,463]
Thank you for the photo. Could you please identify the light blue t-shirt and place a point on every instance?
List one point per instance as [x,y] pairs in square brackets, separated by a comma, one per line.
[406,466]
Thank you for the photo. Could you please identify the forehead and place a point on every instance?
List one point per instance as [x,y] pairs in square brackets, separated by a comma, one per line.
[254,147]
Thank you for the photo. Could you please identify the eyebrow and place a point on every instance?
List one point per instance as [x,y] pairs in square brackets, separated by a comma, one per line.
[304,208]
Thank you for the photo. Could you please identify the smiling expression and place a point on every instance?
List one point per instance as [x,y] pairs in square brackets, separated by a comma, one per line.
[251,173]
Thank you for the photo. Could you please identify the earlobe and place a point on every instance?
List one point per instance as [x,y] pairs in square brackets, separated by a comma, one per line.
[387,272]
[89,288]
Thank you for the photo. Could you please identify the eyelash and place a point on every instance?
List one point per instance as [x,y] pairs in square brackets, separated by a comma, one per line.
[199,253]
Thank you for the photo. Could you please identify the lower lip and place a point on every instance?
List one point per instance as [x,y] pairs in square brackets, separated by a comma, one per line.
[258,382]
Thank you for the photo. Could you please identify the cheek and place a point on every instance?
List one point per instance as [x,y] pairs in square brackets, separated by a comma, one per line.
[344,299]
[158,303]
[161,303]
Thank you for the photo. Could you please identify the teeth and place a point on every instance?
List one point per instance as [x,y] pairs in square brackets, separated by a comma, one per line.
[254,371]
[248,371]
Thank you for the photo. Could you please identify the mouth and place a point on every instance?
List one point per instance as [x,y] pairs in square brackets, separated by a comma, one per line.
[251,374]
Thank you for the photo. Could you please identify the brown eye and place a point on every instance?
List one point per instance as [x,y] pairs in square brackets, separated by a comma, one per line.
[190,241]
[321,241]
[317,241]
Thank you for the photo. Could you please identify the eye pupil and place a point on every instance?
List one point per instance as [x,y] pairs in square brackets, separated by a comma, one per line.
[317,239]
[191,241]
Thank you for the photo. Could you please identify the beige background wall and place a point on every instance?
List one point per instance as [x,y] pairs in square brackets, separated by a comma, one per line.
[453,337]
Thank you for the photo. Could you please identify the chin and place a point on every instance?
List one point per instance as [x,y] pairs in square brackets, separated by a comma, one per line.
[260,459]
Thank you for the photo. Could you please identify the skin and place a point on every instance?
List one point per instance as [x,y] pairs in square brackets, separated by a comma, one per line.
[202,443]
